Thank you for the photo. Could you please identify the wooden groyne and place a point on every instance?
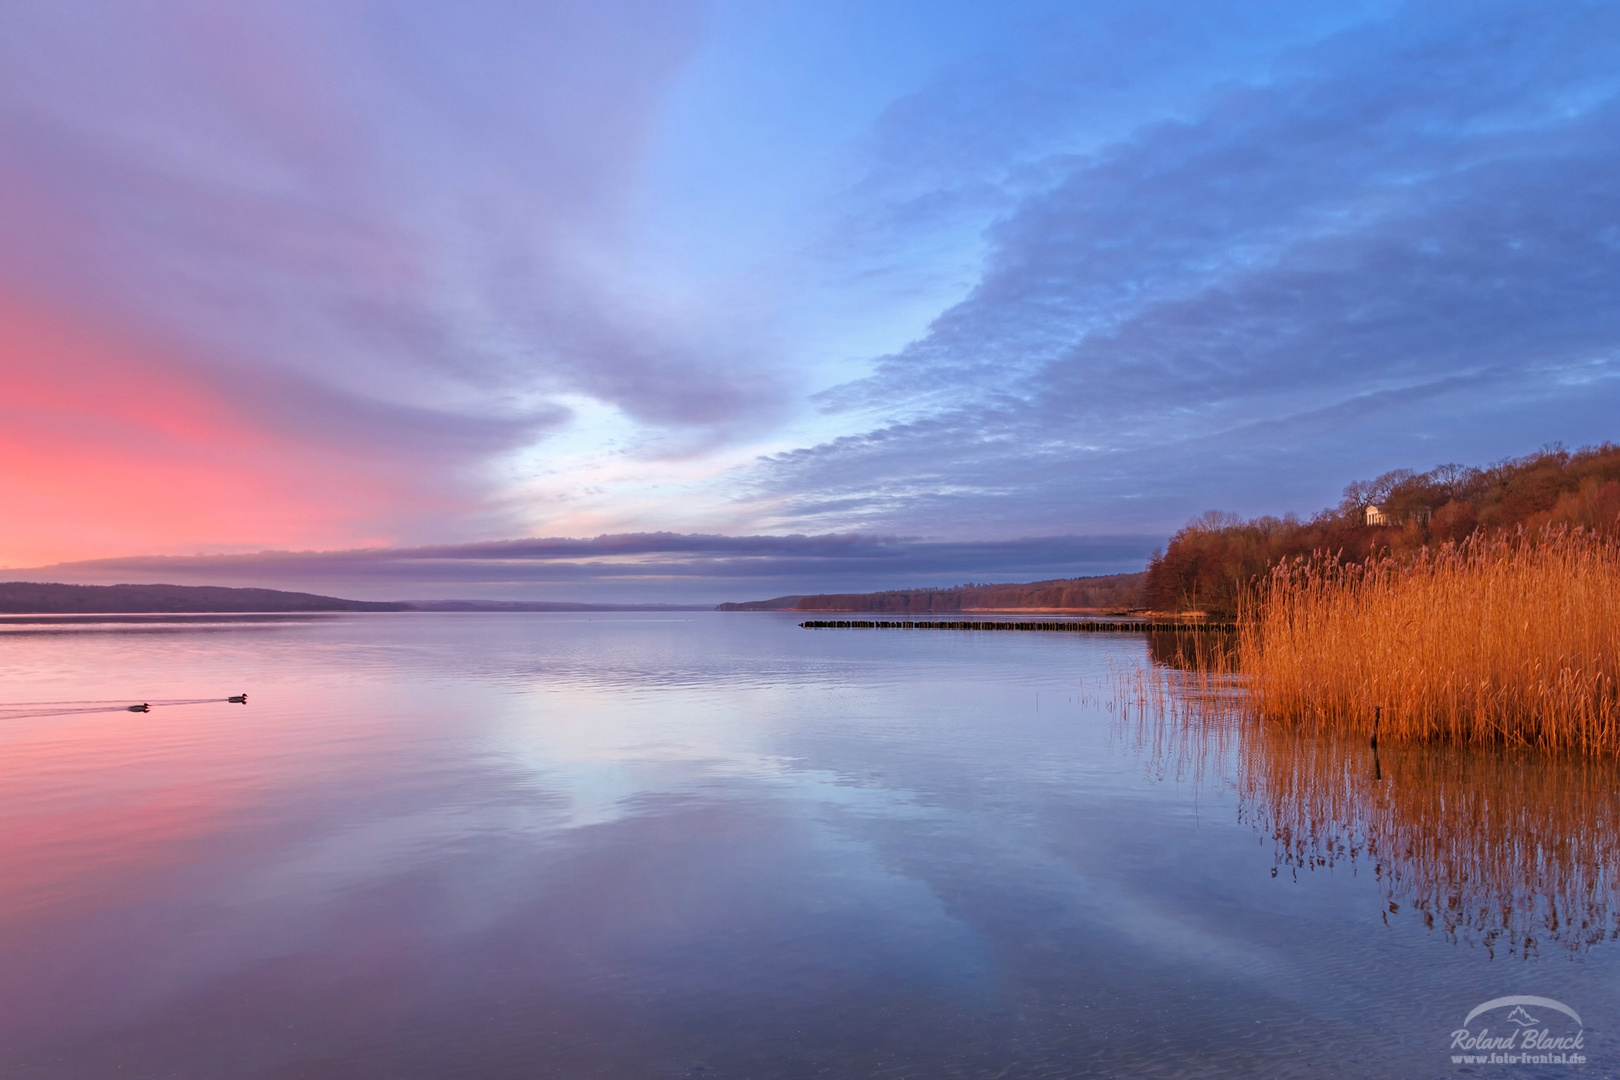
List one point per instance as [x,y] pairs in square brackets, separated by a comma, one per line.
[1092,626]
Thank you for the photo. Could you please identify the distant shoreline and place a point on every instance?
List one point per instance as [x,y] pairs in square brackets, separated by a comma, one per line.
[55,598]
[1101,594]
[58,601]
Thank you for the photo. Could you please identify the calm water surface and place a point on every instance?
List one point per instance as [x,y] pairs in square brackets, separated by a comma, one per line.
[717,845]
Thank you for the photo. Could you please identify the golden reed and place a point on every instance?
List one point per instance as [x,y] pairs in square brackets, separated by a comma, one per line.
[1511,640]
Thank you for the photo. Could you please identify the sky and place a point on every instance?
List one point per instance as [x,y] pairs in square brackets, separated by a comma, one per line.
[672,300]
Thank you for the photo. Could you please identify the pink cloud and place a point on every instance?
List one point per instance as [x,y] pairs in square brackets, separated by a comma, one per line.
[110,443]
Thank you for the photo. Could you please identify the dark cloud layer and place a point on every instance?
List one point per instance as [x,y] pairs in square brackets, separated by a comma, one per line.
[663,567]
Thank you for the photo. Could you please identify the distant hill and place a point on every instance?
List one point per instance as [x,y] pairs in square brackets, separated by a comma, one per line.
[42,598]
[1111,592]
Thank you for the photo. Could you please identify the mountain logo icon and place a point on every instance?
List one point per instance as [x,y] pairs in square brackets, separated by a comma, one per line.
[1520,1017]
[1523,1030]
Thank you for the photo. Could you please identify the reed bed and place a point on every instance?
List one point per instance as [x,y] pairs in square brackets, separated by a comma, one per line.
[1505,641]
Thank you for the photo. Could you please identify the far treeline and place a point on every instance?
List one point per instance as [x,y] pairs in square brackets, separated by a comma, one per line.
[1113,592]
[1211,562]
[36,597]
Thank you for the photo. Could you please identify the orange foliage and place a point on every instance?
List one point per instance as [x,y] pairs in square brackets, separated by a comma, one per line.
[1216,558]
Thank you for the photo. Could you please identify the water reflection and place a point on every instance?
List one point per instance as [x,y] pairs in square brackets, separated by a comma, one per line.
[1194,650]
[1514,852]
[24,627]
[1509,850]
[437,845]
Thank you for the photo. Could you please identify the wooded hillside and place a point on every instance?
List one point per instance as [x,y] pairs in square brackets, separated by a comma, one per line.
[1210,562]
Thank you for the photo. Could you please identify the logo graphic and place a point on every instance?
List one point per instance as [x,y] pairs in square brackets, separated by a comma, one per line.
[1561,1040]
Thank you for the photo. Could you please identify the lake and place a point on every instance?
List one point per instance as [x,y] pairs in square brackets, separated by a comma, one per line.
[718,845]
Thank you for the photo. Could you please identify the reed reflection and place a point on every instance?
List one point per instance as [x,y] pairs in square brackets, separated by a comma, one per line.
[1510,850]
[1213,649]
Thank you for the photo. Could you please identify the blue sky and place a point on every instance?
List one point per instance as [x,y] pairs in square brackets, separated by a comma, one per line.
[1054,277]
